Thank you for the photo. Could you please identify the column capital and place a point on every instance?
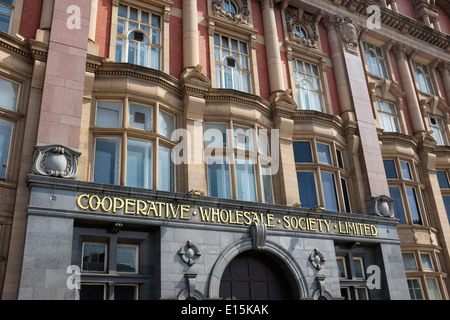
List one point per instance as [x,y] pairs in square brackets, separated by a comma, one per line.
[444,67]
[266,4]
[401,50]
[348,30]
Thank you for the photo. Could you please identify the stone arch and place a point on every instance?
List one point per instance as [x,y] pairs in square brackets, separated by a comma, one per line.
[246,245]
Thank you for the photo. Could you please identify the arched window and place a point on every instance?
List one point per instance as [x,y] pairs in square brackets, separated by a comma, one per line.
[300,31]
[375,60]
[232,63]
[229,6]
[423,78]
[138,37]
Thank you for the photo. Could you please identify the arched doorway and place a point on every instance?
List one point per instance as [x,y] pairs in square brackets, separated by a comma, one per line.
[255,275]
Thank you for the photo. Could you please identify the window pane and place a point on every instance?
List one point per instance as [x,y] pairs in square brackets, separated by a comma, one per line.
[120,50]
[362,294]
[415,289]
[140,117]
[341,268]
[245,180]
[122,292]
[106,168]
[8,94]
[241,138]
[307,189]
[126,258]
[139,164]
[345,194]
[166,170]
[443,179]
[218,178]
[109,114]
[5,142]
[397,204]
[409,261]
[405,170]
[323,151]
[426,261]
[215,135]
[94,257]
[166,124]
[447,206]
[433,289]
[92,292]
[5,17]
[329,191]
[302,151]
[389,167]
[413,206]
[266,181]
[359,268]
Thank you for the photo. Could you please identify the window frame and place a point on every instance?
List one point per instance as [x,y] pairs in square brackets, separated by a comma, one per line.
[441,130]
[430,86]
[161,8]
[394,119]
[125,133]
[105,264]
[383,72]
[16,17]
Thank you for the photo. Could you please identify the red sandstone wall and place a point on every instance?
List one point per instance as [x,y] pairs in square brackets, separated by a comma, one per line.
[405,7]
[444,22]
[103,29]
[31,17]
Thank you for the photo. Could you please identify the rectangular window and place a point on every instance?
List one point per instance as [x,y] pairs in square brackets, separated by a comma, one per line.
[423,78]
[266,184]
[125,292]
[342,268]
[426,261]
[245,179]
[307,189]
[389,167]
[345,194]
[406,173]
[359,267]
[399,210]
[242,138]
[308,87]
[9,91]
[438,128]
[374,60]
[443,179]
[127,258]
[323,152]
[139,164]
[433,289]
[388,116]
[215,135]
[166,124]
[415,289]
[93,291]
[106,166]
[166,169]
[409,261]
[218,177]
[109,114]
[413,205]
[6,129]
[140,117]
[447,206]
[302,151]
[6,8]
[94,257]
[329,191]
[362,293]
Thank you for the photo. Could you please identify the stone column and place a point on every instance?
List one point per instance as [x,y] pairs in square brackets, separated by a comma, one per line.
[444,68]
[43,33]
[190,34]
[274,65]
[401,51]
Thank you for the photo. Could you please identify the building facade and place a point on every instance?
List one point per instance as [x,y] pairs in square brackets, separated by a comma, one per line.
[235,149]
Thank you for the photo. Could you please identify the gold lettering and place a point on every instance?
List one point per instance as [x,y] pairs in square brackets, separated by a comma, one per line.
[300,225]
[238,217]
[79,201]
[97,204]
[159,208]
[215,213]
[286,223]
[128,203]
[118,207]
[327,224]
[374,230]
[248,219]
[103,204]
[205,214]
[184,208]
[140,210]
[255,217]
[312,224]
[340,228]
[269,220]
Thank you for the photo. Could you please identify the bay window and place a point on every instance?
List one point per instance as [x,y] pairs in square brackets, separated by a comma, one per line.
[308,86]
[322,180]
[133,145]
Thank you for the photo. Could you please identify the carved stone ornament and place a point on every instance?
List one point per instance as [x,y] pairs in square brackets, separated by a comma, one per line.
[307,22]
[189,253]
[258,232]
[348,30]
[380,206]
[316,258]
[56,161]
[242,16]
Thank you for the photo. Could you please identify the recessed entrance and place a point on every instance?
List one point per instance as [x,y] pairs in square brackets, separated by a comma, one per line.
[254,275]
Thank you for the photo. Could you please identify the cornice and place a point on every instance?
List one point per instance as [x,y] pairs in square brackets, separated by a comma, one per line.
[14,46]
[401,23]
[229,95]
